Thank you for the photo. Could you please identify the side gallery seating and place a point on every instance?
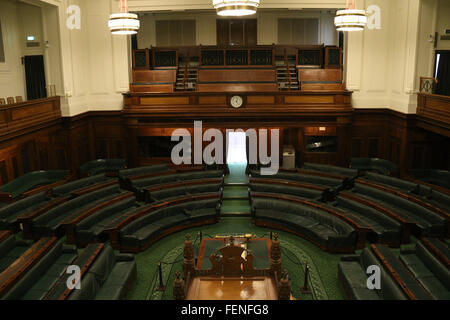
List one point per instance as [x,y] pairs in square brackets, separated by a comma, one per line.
[436,177]
[374,165]
[346,172]
[105,275]
[109,166]
[31,183]
[432,274]
[273,188]
[171,193]
[11,249]
[416,274]
[427,223]
[318,226]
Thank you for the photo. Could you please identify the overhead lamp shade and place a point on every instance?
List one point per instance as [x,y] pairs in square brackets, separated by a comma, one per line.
[123,23]
[350,20]
[236,8]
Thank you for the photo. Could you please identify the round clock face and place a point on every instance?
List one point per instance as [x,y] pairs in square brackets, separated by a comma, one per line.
[237,102]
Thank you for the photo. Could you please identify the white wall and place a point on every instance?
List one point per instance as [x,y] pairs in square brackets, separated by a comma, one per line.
[381,64]
[443,22]
[206,33]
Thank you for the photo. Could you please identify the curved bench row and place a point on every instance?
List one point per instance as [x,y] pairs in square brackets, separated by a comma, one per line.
[40,273]
[416,274]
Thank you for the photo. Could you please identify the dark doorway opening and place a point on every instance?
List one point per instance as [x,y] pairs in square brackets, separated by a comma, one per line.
[35,77]
[442,72]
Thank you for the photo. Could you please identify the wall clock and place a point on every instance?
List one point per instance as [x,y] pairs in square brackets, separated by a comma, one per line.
[236,101]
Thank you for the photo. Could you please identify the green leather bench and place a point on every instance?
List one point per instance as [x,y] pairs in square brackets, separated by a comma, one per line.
[9,214]
[90,230]
[401,272]
[317,180]
[49,223]
[95,167]
[347,172]
[32,181]
[427,222]
[138,234]
[127,173]
[109,278]
[10,250]
[373,164]
[428,270]
[353,277]
[320,227]
[434,197]
[139,184]
[436,177]
[67,188]
[392,182]
[384,229]
[38,281]
[280,189]
[173,193]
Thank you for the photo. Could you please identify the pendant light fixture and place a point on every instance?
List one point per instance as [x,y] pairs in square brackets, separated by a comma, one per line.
[350,19]
[123,22]
[236,8]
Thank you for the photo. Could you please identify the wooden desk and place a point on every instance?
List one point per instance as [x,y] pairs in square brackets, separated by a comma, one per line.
[253,288]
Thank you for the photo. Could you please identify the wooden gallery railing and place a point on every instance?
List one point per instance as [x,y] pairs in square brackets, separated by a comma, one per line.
[240,68]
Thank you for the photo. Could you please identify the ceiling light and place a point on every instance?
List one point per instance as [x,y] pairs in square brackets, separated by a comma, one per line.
[123,22]
[236,8]
[350,19]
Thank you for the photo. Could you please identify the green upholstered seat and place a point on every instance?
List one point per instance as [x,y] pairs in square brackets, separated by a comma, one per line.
[41,278]
[32,180]
[108,278]
[171,193]
[317,225]
[90,229]
[281,189]
[373,164]
[10,250]
[103,165]
[49,223]
[430,223]
[67,188]
[392,182]
[143,170]
[9,213]
[437,177]
[302,178]
[385,229]
[347,172]
[139,232]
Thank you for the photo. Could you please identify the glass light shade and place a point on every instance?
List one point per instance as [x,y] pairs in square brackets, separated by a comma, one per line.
[123,23]
[236,8]
[350,20]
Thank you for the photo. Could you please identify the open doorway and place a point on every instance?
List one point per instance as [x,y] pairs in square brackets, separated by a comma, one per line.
[35,77]
[237,148]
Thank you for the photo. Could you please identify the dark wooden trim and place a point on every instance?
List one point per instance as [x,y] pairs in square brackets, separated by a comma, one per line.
[4,235]
[286,183]
[436,252]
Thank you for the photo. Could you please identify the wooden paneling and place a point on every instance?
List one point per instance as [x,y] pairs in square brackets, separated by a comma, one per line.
[306,75]
[164,100]
[156,88]
[218,100]
[433,113]
[158,76]
[238,87]
[261,99]
[309,99]
[240,75]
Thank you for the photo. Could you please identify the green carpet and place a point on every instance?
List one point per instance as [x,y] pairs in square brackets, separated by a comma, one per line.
[235,207]
[323,266]
[237,173]
[235,192]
